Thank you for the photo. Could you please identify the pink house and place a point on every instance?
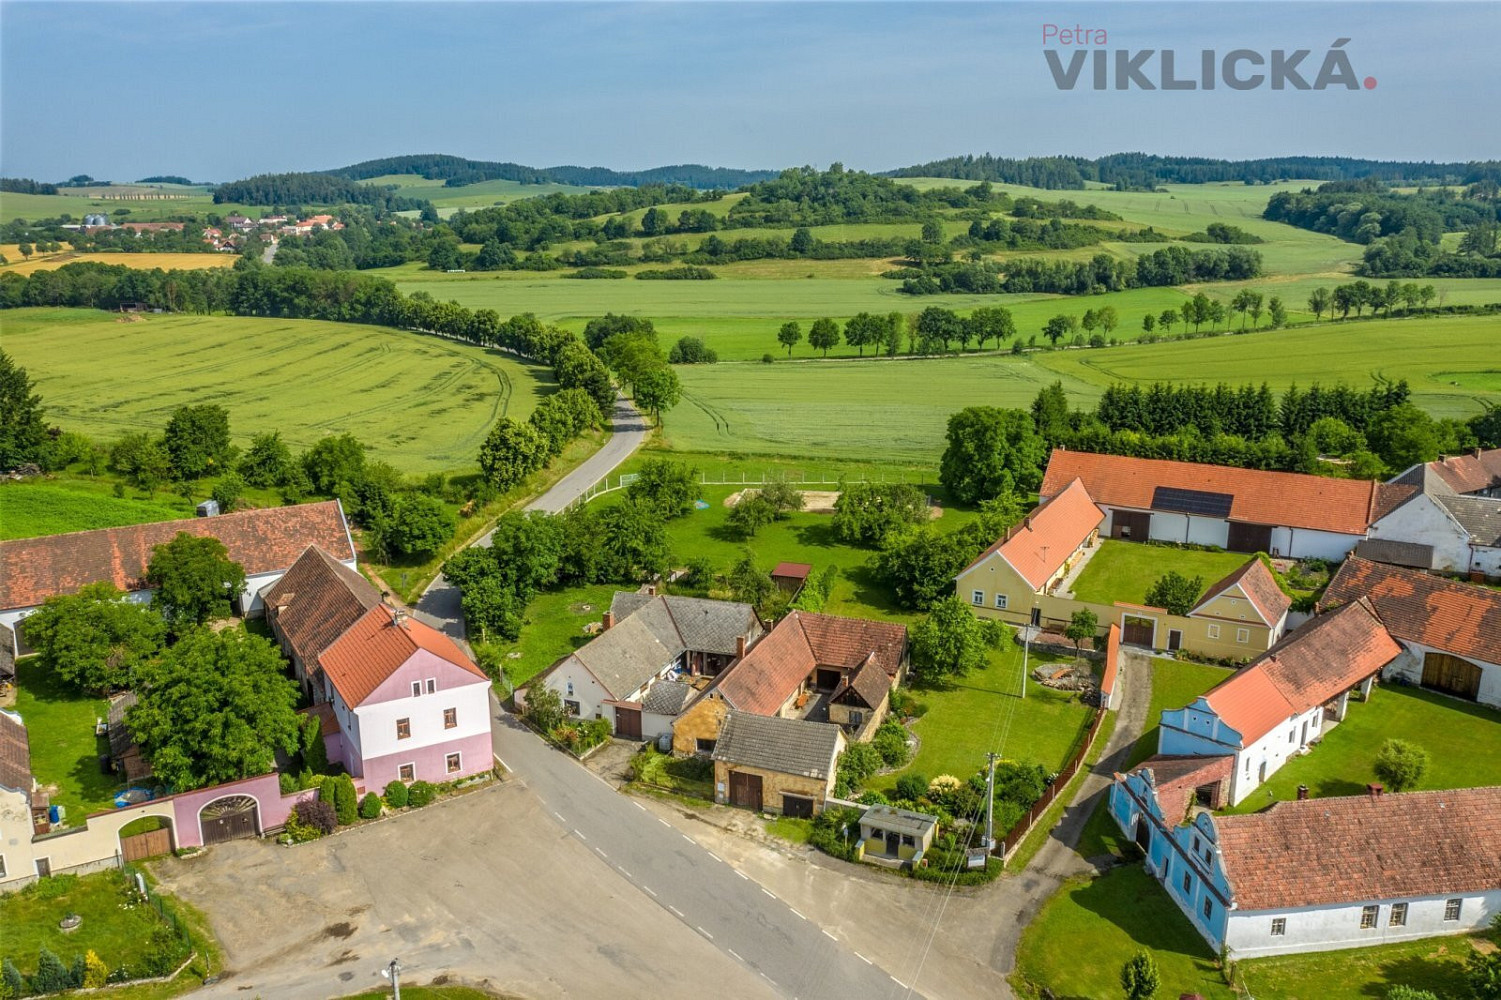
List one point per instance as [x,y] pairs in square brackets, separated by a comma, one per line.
[410,704]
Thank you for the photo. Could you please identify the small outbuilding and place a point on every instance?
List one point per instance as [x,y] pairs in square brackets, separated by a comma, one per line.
[791,577]
[889,835]
[776,765]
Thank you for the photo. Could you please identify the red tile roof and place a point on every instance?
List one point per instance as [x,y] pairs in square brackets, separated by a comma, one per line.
[792,570]
[1277,498]
[1459,618]
[1260,588]
[15,754]
[870,682]
[263,541]
[317,599]
[1176,779]
[774,668]
[375,647]
[1329,655]
[1039,546]
[1363,848]
[1479,470]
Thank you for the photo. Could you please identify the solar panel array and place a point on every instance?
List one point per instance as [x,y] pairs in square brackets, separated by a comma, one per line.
[1192,501]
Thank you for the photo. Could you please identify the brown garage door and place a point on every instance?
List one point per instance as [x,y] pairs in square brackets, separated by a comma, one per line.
[628,723]
[1133,524]
[1451,675]
[745,790]
[1249,537]
[797,806]
[228,819]
[146,845]
[1137,631]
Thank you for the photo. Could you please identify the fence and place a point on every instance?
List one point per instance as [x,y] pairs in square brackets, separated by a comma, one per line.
[168,916]
[760,477]
[1019,830]
[87,868]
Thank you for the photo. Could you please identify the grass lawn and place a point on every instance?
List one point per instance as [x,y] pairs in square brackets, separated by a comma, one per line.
[421,403]
[984,711]
[1436,964]
[1462,739]
[29,509]
[796,831]
[1125,571]
[115,926]
[64,750]
[1083,935]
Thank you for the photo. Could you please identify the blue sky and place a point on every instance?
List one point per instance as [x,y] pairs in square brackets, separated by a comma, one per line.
[223,90]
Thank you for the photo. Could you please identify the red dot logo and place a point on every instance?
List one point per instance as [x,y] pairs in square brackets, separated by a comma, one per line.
[1370,83]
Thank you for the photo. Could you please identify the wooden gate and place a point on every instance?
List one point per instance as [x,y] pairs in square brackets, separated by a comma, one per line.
[1133,524]
[1451,675]
[1249,537]
[745,790]
[146,845]
[228,818]
[628,723]
[1138,631]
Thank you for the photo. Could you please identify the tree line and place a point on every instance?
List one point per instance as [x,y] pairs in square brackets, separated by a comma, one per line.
[311,189]
[456,171]
[1171,265]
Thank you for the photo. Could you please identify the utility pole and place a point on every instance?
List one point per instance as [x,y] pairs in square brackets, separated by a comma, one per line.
[990,758]
[393,973]
[1026,654]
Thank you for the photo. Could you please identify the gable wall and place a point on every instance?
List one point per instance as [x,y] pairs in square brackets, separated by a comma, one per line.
[1425,522]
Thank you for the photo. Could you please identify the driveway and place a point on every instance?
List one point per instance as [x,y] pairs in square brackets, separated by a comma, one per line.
[439,604]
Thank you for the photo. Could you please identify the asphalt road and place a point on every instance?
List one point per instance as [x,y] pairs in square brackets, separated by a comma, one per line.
[745,921]
[439,604]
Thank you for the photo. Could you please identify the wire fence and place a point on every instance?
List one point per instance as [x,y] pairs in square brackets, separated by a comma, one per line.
[168,916]
[1019,830]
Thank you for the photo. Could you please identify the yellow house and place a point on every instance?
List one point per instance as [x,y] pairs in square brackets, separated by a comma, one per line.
[1022,579]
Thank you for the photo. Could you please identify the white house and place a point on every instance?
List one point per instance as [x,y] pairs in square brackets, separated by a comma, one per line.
[265,542]
[1274,708]
[1450,632]
[1462,531]
[651,640]
[16,795]
[1242,510]
[1316,874]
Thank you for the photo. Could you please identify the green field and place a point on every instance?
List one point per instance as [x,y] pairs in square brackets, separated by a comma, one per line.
[28,509]
[421,403]
[1125,571]
[190,201]
[482,195]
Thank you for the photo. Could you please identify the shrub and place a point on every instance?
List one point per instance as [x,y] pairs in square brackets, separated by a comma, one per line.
[912,787]
[1409,993]
[873,798]
[370,806]
[767,359]
[51,975]
[891,743]
[953,872]
[396,795]
[316,815]
[95,972]
[287,781]
[420,794]
[1140,979]
[904,704]
[12,983]
[346,800]
[858,762]
[832,829]
[1401,764]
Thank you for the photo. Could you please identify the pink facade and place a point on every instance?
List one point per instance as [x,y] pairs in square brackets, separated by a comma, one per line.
[273,808]
[430,763]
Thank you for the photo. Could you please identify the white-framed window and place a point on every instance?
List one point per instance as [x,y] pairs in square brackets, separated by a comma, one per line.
[1242,635]
[1452,908]
[977,598]
[1398,916]
[570,689]
[450,718]
[1369,916]
[407,772]
[1208,907]
[1196,844]
[432,685]
[416,689]
[453,763]
[1213,631]
[571,707]
[1001,602]
[1279,926]
[403,729]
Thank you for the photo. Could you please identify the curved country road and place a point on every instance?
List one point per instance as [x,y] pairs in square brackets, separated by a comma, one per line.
[439,604]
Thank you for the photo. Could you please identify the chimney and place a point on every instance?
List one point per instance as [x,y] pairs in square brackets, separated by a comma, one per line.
[651,590]
[609,620]
[740,647]
[1302,793]
[1375,789]
[1027,522]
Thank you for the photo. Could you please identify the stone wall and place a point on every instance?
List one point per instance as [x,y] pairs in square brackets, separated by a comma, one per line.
[703,721]
[774,785]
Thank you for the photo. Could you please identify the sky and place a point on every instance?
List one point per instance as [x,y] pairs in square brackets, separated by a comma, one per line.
[216,91]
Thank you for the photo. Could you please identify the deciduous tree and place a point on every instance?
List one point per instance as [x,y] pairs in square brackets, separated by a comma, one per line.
[95,639]
[989,451]
[950,642]
[1401,764]
[194,580]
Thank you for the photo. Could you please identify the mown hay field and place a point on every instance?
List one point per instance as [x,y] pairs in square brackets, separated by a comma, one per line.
[421,403]
[143,261]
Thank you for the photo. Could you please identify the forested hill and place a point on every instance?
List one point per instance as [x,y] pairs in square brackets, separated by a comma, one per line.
[311,189]
[1144,170]
[456,171]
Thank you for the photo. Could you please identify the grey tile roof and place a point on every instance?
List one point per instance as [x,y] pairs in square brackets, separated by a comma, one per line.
[1413,554]
[1480,516]
[771,743]
[899,820]
[666,698]
[700,624]
[626,656]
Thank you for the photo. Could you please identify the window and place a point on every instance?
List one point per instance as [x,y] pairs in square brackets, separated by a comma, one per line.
[403,729]
[416,689]
[1368,915]
[1451,908]
[2,866]
[907,840]
[1242,635]
[1188,883]
[704,746]
[570,689]
[1214,631]
[1208,907]
[1398,916]
[450,718]
[432,685]
[977,597]
[1196,844]
[407,772]
[571,707]
[1292,736]
[1279,926]
[452,762]
[1000,602]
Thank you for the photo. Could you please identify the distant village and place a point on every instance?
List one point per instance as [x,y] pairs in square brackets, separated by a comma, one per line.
[230,236]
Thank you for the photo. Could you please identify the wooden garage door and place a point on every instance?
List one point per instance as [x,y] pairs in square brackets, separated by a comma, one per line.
[1133,524]
[1137,631]
[146,845]
[228,819]
[1451,675]
[745,790]
[1249,537]
[797,806]
[628,723]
